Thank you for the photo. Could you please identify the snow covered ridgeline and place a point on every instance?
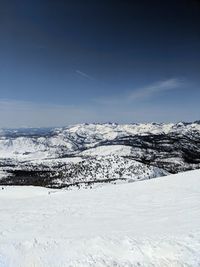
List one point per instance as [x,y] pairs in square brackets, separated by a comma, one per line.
[153,223]
[80,171]
[97,151]
[31,144]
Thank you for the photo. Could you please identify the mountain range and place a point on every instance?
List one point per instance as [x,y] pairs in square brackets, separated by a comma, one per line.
[85,154]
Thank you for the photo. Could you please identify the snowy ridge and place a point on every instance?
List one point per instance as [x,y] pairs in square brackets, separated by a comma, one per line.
[152,223]
[73,152]
[81,136]
[78,171]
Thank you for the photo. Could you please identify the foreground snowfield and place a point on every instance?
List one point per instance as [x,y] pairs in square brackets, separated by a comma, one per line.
[150,223]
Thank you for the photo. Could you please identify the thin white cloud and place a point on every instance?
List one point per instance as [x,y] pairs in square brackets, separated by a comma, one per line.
[155,88]
[141,93]
[85,75]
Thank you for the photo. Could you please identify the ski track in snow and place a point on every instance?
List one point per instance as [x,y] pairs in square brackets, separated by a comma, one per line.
[149,223]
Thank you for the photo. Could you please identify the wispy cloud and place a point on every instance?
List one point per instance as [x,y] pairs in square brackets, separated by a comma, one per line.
[155,88]
[85,75]
[142,93]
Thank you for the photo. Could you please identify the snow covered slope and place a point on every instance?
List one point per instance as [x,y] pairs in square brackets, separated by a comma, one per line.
[149,223]
[78,171]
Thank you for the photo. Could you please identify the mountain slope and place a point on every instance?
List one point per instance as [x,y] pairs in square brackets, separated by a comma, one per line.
[150,223]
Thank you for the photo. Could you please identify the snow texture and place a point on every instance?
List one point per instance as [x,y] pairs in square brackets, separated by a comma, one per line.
[150,223]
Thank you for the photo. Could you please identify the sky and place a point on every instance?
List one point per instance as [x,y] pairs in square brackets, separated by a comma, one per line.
[75,61]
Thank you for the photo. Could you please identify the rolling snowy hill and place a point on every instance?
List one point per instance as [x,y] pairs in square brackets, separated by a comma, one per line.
[59,157]
[149,223]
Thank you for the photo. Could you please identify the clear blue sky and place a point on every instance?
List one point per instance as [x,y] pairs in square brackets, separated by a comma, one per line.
[65,62]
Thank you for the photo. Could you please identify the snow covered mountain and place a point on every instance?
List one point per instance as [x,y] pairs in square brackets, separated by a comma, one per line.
[151,223]
[94,152]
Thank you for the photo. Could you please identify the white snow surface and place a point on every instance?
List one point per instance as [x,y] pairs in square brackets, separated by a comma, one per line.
[149,223]
[119,150]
